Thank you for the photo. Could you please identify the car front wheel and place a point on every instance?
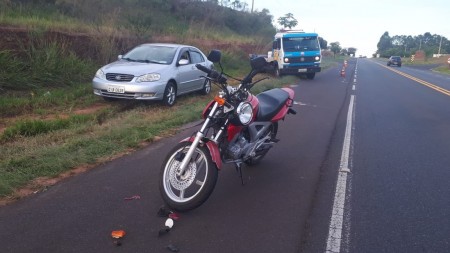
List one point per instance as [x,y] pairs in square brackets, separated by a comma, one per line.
[206,87]
[170,94]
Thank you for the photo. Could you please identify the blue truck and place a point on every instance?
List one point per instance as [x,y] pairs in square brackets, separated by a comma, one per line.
[295,53]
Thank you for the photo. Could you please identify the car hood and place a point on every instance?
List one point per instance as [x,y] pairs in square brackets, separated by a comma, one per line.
[134,68]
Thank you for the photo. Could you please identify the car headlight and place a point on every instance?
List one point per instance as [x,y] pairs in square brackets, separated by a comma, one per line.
[286,60]
[317,58]
[245,112]
[100,74]
[148,78]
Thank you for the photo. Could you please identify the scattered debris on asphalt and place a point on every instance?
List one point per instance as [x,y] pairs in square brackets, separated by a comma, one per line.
[133,197]
[174,216]
[173,248]
[118,235]
[164,212]
[169,223]
[163,231]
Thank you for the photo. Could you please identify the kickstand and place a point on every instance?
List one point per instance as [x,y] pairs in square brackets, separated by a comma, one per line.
[239,170]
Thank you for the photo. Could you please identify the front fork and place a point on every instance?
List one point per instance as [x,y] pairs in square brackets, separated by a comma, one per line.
[200,134]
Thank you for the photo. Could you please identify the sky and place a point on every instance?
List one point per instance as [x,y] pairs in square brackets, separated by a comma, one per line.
[361,23]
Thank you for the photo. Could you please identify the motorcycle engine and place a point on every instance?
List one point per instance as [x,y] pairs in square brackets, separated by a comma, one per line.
[237,149]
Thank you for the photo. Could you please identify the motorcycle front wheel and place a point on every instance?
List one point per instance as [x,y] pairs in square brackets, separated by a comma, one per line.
[192,188]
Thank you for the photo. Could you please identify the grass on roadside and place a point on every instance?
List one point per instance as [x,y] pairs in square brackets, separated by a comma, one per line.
[443,69]
[46,101]
[33,149]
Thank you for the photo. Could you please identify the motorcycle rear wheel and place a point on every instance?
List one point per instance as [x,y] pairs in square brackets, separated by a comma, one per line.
[190,190]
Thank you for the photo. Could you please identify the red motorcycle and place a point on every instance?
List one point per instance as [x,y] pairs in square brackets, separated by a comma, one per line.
[238,128]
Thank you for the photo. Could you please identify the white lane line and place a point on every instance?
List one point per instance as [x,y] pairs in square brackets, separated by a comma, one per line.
[337,215]
[353,87]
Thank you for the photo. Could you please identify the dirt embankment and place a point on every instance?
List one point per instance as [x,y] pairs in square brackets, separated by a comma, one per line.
[93,46]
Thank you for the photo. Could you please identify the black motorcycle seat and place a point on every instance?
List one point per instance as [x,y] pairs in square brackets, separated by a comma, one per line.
[270,103]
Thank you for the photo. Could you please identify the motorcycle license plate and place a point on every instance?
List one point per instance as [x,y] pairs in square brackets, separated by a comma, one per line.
[116,89]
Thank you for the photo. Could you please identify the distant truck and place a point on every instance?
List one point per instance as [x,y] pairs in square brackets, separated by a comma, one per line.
[295,52]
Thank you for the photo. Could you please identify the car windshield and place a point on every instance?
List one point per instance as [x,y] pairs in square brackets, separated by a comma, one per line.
[151,54]
[300,44]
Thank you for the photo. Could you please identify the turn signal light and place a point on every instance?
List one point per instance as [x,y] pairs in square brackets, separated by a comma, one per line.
[117,234]
[219,100]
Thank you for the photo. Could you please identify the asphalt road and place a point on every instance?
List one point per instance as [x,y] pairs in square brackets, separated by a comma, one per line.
[397,190]
[396,199]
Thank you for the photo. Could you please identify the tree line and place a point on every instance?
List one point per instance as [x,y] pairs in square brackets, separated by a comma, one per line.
[407,45]
[336,48]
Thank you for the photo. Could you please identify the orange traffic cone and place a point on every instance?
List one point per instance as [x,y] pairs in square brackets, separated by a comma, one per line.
[343,72]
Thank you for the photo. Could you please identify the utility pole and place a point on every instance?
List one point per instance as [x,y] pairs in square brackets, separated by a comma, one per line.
[253,4]
[440,44]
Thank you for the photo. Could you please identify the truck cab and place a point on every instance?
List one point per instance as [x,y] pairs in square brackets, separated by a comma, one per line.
[296,52]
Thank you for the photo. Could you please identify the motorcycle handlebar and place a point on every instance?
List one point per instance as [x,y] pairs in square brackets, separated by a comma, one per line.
[212,73]
[204,69]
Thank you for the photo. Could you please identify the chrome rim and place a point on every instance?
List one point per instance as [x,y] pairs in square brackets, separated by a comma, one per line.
[182,188]
[207,86]
[171,95]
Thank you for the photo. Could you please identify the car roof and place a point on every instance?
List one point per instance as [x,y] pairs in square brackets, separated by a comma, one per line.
[166,45]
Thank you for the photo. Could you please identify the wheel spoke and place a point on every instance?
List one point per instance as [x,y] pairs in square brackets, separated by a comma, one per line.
[181,194]
[199,162]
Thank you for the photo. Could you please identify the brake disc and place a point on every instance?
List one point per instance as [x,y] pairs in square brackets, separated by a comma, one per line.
[182,182]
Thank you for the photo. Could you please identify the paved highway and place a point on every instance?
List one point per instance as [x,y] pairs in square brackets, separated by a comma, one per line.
[386,134]
[396,190]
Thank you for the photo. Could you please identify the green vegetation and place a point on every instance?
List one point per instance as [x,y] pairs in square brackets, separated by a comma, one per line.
[42,66]
[45,148]
[50,121]
[407,45]
[422,46]
[46,101]
[141,18]
[443,69]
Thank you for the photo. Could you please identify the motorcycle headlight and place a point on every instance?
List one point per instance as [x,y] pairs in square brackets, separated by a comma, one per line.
[245,113]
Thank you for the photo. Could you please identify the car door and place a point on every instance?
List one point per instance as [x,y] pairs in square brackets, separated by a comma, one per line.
[198,58]
[187,72]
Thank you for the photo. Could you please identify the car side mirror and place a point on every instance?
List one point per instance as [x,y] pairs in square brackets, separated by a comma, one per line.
[183,62]
[215,55]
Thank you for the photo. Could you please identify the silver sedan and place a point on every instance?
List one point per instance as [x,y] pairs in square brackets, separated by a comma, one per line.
[153,72]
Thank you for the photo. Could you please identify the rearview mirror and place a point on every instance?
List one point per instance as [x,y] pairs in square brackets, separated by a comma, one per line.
[258,63]
[214,55]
